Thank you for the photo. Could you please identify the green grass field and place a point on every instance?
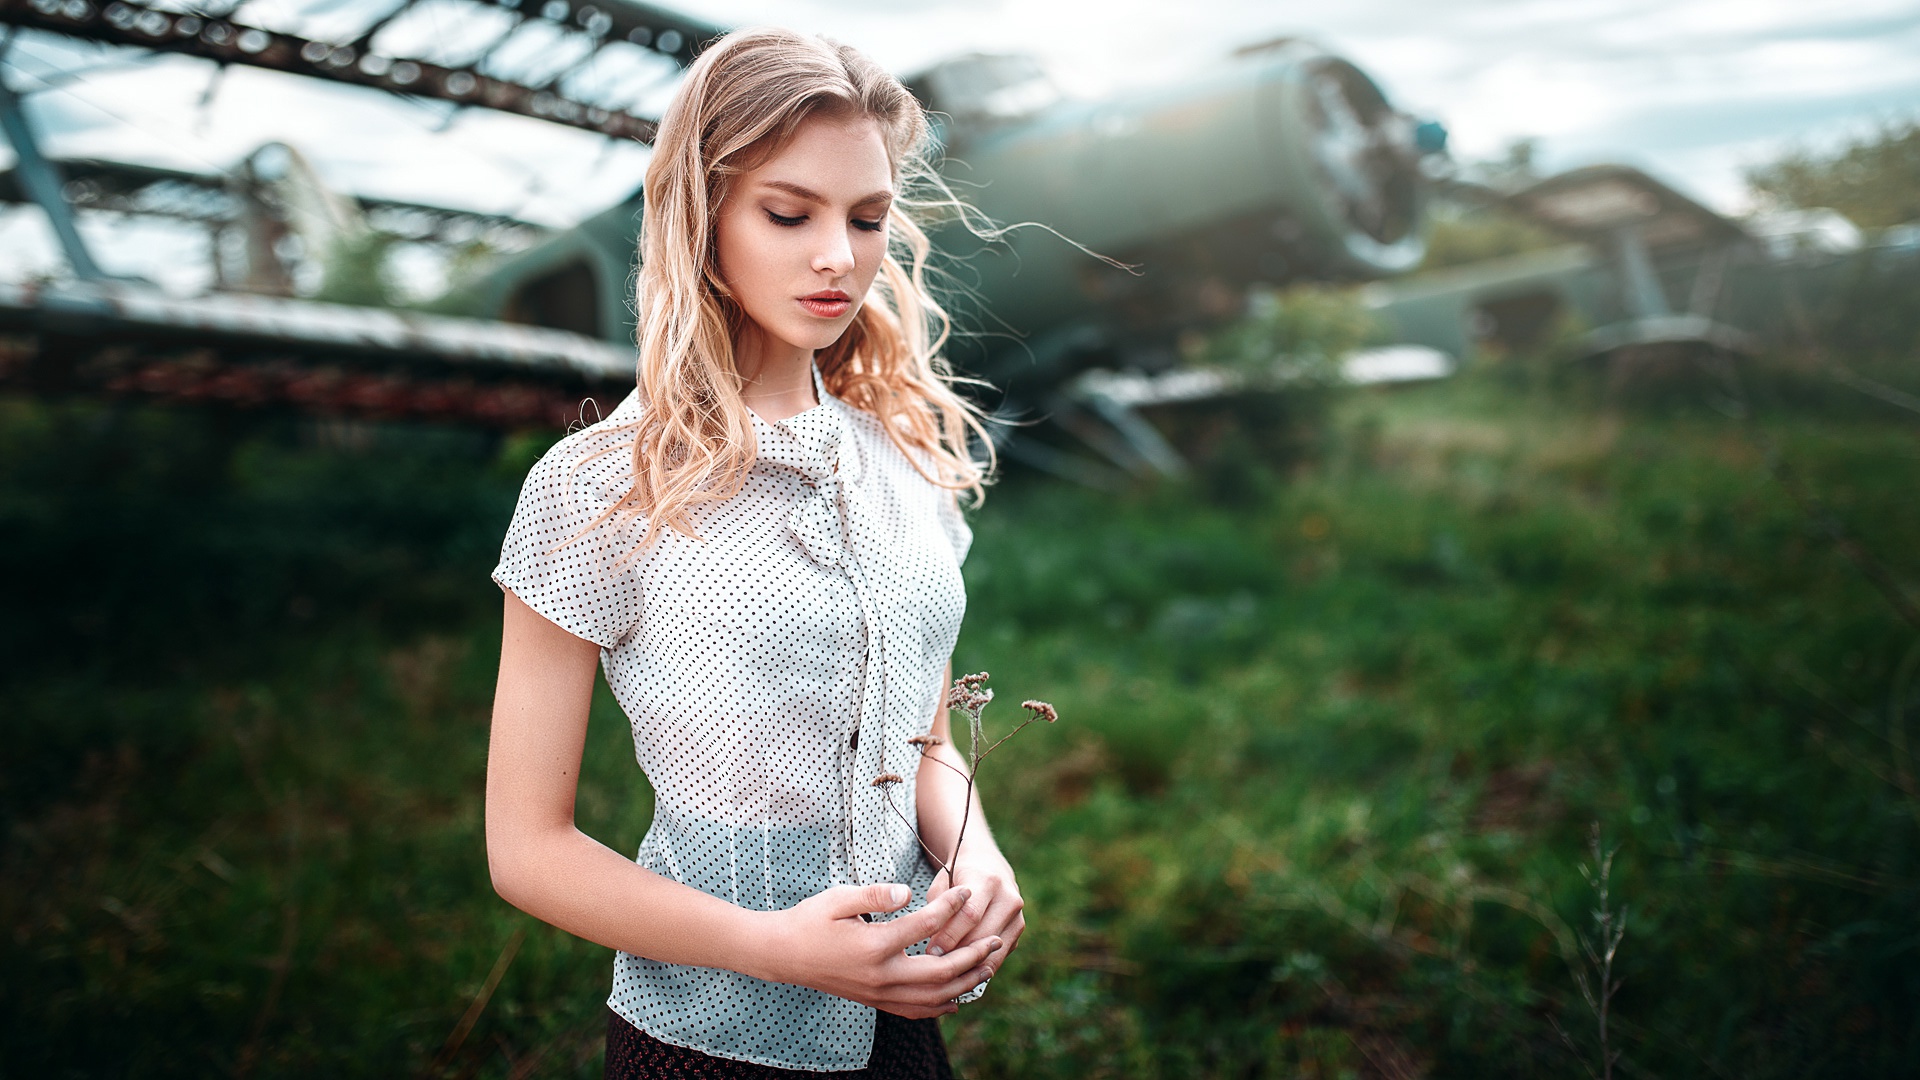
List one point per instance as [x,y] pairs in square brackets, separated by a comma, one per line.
[1331,745]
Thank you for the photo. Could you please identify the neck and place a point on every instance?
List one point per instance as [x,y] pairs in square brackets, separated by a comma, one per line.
[776,378]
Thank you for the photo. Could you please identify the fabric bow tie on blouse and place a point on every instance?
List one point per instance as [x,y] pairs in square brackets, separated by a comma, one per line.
[816,445]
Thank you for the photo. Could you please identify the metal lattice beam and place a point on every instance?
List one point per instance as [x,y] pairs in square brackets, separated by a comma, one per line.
[122,187]
[226,40]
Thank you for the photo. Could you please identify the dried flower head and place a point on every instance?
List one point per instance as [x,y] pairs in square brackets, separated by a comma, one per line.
[1041,710]
[925,741]
[969,695]
[886,778]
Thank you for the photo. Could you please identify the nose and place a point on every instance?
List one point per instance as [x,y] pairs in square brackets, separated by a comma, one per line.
[835,254]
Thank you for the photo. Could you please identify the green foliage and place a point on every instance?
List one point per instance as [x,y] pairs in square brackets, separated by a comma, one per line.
[1293,337]
[465,268]
[1316,805]
[355,271]
[1286,356]
[180,544]
[1457,237]
[1872,179]
[1459,233]
[1516,167]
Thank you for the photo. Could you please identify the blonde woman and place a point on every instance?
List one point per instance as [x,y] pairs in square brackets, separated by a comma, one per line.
[761,547]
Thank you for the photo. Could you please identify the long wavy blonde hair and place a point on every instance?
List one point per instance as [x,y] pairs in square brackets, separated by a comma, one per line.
[741,102]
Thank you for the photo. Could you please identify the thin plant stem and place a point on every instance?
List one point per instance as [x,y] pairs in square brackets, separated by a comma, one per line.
[888,794]
[968,695]
[925,755]
[1004,738]
[966,808]
[1600,950]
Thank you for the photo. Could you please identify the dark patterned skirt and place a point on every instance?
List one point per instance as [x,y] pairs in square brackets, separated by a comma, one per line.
[902,1050]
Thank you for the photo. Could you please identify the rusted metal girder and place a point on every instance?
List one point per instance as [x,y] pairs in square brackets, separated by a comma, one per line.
[227,41]
[255,352]
[209,199]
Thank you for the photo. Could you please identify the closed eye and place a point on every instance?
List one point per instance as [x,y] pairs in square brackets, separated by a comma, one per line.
[859,223]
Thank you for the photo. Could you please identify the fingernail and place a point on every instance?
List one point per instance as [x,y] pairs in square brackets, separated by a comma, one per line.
[936,950]
[900,894]
[964,894]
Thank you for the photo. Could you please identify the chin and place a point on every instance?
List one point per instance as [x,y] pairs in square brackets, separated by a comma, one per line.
[817,337]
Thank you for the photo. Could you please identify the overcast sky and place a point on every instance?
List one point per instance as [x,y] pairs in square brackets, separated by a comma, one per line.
[1692,90]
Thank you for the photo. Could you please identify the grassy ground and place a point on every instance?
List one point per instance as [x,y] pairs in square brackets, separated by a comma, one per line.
[1331,746]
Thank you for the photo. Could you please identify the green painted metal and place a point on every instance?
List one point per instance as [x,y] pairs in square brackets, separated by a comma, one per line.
[1279,164]
[1764,299]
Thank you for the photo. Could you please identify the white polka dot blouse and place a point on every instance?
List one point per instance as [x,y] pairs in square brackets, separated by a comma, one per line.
[770,670]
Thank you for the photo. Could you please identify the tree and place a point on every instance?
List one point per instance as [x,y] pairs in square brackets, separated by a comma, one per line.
[1874,179]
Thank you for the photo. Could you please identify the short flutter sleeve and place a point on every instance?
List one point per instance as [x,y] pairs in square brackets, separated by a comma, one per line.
[959,533]
[565,556]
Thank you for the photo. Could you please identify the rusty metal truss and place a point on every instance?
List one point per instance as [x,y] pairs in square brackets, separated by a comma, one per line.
[254,352]
[209,199]
[595,39]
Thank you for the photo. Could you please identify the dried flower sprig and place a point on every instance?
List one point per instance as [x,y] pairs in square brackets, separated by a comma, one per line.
[970,695]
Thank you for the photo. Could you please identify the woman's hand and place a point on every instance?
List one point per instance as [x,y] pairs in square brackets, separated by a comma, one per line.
[992,910]
[822,942]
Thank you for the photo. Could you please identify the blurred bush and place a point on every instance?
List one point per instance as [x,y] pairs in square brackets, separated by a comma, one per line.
[358,270]
[154,545]
[1285,357]
[1292,338]
[1459,235]
[1874,179]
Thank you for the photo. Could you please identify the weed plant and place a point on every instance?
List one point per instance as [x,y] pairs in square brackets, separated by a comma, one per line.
[1337,747]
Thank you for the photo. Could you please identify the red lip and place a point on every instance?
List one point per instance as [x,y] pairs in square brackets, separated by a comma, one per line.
[828,303]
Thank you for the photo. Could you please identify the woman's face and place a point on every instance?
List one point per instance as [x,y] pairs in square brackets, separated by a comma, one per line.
[799,239]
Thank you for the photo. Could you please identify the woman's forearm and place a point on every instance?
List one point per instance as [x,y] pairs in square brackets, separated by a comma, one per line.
[562,876]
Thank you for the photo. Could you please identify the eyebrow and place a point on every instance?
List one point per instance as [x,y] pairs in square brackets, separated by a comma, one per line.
[813,196]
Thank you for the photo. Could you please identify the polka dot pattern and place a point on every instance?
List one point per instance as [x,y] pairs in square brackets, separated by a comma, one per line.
[770,670]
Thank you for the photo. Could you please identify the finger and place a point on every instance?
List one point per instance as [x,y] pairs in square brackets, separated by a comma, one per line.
[928,919]
[849,901]
[965,923]
[970,976]
[922,971]
[1002,919]
[1011,935]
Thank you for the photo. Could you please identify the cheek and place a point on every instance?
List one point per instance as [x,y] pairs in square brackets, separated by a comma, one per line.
[870,250]
[725,261]
[742,253]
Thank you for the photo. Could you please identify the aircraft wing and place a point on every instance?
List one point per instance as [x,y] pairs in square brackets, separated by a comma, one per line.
[1593,204]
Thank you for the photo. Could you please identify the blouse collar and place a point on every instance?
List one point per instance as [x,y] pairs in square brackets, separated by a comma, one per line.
[817,443]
